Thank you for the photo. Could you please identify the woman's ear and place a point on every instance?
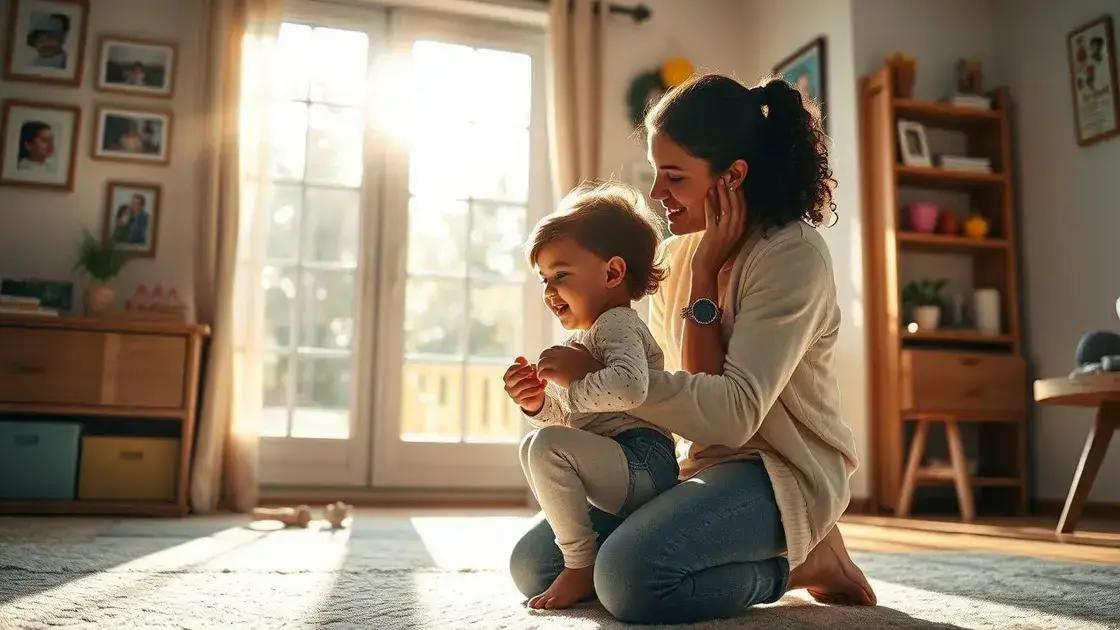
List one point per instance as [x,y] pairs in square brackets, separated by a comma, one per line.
[738,171]
[616,271]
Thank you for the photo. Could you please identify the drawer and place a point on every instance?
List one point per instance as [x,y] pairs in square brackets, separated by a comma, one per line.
[38,460]
[50,366]
[937,380]
[129,468]
[144,370]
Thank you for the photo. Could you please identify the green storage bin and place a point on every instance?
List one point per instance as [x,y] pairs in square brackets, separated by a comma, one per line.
[38,460]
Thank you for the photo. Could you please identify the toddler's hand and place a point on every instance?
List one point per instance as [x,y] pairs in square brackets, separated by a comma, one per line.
[524,386]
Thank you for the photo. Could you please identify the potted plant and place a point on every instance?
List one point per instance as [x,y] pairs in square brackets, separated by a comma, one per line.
[924,296]
[101,262]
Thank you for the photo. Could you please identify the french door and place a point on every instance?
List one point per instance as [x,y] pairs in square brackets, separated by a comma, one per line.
[408,161]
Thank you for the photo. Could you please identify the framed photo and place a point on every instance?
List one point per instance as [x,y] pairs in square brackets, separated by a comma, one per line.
[132,217]
[912,144]
[133,135]
[133,66]
[45,41]
[806,70]
[1092,68]
[39,143]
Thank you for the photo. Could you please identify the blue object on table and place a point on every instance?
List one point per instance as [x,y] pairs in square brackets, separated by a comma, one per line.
[1096,345]
[39,460]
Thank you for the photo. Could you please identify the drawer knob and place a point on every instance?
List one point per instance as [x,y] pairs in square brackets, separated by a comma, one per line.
[970,361]
[132,455]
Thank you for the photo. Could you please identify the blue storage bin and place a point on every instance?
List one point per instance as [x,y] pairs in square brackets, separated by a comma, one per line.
[38,460]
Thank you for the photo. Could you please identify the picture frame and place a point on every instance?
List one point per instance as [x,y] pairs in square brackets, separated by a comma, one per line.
[913,145]
[46,41]
[129,134]
[136,67]
[1091,49]
[38,144]
[132,213]
[807,71]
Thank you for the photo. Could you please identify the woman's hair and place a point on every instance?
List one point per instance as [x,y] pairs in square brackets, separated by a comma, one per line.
[770,127]
[607,219]
[27,133]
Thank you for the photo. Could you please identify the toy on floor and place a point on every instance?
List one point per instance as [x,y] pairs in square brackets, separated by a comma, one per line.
[298,516]
[336,513]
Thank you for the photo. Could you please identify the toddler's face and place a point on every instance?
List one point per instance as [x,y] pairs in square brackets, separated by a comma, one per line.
[575,283]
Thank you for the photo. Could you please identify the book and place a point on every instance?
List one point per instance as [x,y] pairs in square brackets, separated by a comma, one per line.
[965,163]
[36,312]
[972,101]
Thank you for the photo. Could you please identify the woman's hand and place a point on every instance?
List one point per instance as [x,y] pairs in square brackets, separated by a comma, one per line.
[565,365]
[524,386]
[725,213]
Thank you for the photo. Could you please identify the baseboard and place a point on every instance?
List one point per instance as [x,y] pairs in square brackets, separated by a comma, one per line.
[395,497]
[1053,507]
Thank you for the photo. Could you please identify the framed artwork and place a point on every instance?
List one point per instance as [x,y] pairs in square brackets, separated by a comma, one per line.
[132,217]
[133,66]
[806,70]
[39,143]
[912,144]
[46,39]
[132,135]
[1092,68]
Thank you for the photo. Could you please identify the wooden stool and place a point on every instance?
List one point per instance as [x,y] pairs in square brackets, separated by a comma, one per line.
[957,470]
[1090,390]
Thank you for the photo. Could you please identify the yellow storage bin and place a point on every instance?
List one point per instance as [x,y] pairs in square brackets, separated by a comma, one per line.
[130,468]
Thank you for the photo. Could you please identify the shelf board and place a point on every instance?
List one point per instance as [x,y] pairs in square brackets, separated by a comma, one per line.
[959,336]
[126,413]
[143,508]
[940,474]
[941,242]
[933,177]
[937,114]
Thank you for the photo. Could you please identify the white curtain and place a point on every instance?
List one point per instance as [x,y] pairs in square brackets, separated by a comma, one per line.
[239,38]
[575,63]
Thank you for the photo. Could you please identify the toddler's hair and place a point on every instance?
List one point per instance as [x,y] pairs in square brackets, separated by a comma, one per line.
[608,219]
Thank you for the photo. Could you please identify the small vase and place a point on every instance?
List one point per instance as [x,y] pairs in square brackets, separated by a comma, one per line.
[927,317]
[922,216]
[99,299]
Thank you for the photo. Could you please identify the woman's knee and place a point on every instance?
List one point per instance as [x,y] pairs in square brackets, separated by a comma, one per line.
[625,581]
[533,562]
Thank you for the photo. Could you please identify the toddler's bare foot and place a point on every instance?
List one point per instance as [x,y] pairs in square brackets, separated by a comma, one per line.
[569,587]
[830,575]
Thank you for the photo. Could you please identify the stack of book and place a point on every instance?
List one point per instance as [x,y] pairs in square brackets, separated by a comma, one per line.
[972,101]
[14,305]
[964,163]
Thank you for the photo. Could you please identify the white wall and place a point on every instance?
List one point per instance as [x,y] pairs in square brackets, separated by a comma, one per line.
[1067,196]
[39,230]
[777,30]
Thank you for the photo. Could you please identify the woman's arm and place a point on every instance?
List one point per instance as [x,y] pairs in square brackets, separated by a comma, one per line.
[702,350]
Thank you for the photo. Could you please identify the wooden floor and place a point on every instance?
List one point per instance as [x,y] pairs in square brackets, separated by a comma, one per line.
[1096,540]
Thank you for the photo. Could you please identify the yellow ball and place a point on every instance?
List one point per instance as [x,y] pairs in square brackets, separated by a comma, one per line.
[675,72]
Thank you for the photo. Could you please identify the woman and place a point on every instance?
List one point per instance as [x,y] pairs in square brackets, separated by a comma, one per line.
[765,457]
[36,147]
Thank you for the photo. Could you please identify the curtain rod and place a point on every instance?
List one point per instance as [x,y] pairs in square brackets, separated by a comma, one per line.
[638,12]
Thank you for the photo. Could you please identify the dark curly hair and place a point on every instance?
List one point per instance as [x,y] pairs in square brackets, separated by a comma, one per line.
[771,128]
[608,219]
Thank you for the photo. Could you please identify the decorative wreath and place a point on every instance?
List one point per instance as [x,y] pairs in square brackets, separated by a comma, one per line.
[649,86]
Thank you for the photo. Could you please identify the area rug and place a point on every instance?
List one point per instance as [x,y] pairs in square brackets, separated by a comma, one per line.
[398,570]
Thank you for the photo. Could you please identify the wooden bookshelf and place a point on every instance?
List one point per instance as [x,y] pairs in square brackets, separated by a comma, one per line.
[965,381]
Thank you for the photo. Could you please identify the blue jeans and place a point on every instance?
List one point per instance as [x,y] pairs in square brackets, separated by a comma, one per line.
[653,466]
[708,548]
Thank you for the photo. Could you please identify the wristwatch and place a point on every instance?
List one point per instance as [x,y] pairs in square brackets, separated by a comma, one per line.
[703,311]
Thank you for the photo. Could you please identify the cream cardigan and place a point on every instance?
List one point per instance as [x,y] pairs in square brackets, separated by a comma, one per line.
[778,396]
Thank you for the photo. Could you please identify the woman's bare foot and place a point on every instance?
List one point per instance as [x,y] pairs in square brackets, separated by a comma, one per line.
[830,575]
[569,587]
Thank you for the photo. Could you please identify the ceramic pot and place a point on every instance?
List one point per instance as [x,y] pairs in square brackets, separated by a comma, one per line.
[947,223]
[99,299]
[922,216]
[976,226]
[927,317]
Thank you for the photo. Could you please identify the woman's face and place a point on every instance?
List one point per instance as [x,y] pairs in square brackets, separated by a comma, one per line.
[681,183]
[41,146]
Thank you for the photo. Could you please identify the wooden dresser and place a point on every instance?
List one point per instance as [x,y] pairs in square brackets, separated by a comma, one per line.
[115,379]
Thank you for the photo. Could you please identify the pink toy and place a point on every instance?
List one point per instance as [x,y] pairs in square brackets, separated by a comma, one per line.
[922,216]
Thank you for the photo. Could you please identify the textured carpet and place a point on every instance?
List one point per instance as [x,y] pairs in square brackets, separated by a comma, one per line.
[390,570]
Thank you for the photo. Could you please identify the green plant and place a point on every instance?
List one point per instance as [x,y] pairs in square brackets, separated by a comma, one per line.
[924,292]
[101,261]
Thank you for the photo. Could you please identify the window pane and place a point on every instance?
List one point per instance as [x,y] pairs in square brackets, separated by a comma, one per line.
[500,161]
[322,398]
[292,62]
[433,322]
[339,59]
[440,161]
[491,415]
[442,77]
[498,241]
[496,320]
[330,225]
[327,316]
[284,202]
[279,284]
[437,236]
[501,83]
[275,376]
[335,146]
[430,401]
[287,140]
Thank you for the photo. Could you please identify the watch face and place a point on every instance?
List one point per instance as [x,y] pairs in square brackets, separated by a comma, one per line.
[704,310]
